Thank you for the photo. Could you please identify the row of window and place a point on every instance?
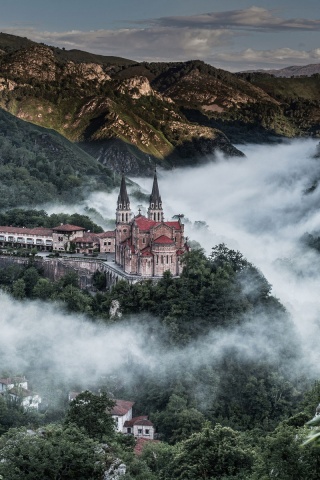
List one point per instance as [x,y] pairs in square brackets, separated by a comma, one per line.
[163,258]
[24,240]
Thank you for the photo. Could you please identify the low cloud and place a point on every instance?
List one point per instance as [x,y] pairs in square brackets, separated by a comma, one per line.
[180,38]
[141,44]
[254,204]
[253,18]
[268,58]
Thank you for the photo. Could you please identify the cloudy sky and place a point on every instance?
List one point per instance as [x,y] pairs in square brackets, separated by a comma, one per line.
[230,34]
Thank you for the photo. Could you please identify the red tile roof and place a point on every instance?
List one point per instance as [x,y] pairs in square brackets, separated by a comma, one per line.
[142,420]
[146,252]
[144,223]
[141,442]
[121,407]
[67,228]
[87,238]
[108,234]
[175,225]
[164,240]
[26,231]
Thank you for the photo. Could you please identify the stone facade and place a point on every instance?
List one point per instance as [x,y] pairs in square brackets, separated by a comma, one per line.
[107,241]
[148,246]
[64,235]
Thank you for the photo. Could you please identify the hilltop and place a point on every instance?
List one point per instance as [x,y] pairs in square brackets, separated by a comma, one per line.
[129,115]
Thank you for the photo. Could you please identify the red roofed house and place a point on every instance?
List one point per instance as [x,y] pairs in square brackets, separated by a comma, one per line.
[147,246]
[139,427]
[63,235]
[121,412]
[107,241]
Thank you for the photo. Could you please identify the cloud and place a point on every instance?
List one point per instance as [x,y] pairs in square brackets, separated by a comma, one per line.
[277,56]
[254,204]
[157,43]
[253,18]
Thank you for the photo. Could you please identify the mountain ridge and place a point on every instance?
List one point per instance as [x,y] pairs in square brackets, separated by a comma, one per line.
[130,115]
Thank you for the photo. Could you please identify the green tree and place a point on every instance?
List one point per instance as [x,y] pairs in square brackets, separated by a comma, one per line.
[178,421]
[212,453]
[92,413]
[51,453]
[43,289]
[284,457]
[19,289]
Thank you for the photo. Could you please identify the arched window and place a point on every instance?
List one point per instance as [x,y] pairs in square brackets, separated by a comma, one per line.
[152,205]
[123,217]
[158,216]
[126,217]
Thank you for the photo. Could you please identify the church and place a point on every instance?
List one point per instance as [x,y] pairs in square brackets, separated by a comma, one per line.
[147,246]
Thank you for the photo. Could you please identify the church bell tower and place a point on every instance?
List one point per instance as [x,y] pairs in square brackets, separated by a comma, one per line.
[123,218]
[155,211]
[123,213]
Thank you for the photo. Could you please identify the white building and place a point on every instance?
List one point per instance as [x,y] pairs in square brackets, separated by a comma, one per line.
[121,413]
[40,238]
[139,427]
[16,388]
[11,382]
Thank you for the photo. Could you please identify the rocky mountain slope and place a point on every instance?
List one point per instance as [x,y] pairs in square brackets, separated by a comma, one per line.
[129,115]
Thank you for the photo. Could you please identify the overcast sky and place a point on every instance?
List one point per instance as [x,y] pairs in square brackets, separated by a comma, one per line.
[230,34]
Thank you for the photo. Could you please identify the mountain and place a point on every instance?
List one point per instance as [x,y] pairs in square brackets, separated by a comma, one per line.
[129,115]
[293,71]
[38,165]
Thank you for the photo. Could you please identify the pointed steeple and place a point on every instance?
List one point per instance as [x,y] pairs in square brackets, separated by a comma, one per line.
[123,199]
[123,204]
[155,197]
[155,211]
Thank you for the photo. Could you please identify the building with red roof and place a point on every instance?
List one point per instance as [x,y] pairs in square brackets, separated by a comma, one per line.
[147,246]
[139,427]
[121,413]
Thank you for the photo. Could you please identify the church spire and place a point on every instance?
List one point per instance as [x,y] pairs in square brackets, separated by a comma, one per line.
[123,198]
[155,211]
[123,204]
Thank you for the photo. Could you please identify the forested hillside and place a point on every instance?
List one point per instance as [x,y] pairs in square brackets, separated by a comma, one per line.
[219,385]
[39,165]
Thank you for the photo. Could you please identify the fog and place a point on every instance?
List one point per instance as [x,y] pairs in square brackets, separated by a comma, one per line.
[258,205]
[255,204]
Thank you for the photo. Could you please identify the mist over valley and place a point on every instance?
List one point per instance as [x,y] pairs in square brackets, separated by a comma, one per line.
[160,244]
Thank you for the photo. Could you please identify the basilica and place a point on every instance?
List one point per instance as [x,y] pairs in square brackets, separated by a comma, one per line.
[147,246]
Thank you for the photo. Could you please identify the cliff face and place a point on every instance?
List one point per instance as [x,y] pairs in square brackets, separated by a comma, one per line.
[129,115]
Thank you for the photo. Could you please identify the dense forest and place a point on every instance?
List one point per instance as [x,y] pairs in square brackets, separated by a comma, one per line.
[40,166]
[224,396]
